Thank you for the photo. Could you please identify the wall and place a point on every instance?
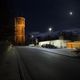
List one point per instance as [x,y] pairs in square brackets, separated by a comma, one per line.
[57,43]
[75,44]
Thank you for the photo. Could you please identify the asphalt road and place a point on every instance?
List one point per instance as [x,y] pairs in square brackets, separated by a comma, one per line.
[42,65]
[36,64]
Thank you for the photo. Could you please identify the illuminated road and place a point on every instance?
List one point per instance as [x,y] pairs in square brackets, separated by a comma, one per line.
[37,64]
[42,65]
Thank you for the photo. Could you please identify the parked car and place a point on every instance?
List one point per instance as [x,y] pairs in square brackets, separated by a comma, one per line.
[48,46]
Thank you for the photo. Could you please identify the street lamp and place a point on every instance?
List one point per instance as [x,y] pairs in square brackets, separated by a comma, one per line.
[50,29]
[70,13]
[32,36]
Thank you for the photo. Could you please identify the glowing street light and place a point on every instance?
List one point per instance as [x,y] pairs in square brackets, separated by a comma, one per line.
[32,36]
[71,13]
[50,29]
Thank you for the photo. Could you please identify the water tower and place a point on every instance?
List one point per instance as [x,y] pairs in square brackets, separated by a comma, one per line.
[20,30]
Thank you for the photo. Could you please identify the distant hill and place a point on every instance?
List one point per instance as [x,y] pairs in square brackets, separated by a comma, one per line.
[69,34]
[74,30]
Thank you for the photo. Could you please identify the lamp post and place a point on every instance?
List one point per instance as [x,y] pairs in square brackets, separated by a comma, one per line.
[32,36]
[50,30]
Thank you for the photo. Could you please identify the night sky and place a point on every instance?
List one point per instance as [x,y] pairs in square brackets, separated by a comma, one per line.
[41,14]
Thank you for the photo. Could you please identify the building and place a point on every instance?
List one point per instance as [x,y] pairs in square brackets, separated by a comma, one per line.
[57,43]
[73,45]
[60,39]
[20,30]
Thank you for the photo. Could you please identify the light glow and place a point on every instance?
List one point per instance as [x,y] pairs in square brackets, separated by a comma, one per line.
[71,13]
[50,29]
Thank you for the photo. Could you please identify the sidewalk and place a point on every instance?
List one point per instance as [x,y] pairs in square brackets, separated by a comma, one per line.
[8,65]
